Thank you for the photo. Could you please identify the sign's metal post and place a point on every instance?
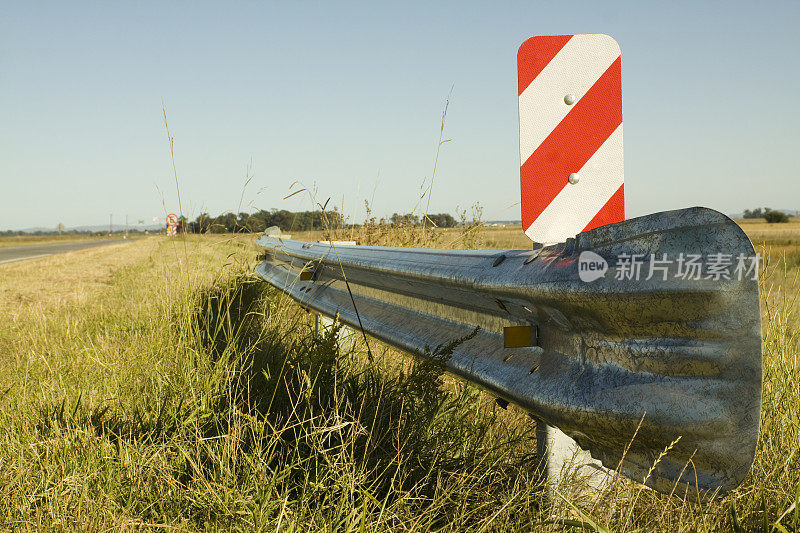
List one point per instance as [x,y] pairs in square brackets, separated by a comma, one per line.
[572,176]
[560,459]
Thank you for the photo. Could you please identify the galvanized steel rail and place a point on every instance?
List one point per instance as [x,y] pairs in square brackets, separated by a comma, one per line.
[591,358]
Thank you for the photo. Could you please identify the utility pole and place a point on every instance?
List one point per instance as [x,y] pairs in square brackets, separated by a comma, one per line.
[110,224]
[126,226]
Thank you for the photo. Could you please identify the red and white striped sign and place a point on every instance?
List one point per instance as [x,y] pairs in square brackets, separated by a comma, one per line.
[570,135]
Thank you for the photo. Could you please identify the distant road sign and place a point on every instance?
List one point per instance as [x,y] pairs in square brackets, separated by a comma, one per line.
[172,220]
[570,135]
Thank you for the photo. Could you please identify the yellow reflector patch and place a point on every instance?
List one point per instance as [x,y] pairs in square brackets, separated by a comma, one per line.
[517,336]
[306,275]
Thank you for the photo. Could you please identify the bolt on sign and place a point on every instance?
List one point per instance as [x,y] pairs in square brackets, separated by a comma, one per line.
[570,135]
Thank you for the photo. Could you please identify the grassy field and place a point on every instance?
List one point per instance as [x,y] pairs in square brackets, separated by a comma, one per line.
[157,384]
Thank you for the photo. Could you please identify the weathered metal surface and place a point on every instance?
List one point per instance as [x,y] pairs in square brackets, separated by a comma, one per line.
[683,353]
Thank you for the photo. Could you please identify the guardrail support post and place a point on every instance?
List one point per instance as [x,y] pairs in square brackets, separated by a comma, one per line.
[561,460]
[347,337]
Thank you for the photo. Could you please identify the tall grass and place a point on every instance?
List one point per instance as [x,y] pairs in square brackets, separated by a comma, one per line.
[178,391]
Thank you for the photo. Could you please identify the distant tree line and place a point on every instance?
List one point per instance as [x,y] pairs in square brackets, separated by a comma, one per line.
[768,214]
[439,220]
[261,220]
[19,233]
[294,221]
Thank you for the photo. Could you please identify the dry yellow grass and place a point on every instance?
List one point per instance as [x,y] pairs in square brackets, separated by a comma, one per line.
[68,278]
[21,240]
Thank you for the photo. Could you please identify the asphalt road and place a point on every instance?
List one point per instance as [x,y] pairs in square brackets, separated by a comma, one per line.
[32,251]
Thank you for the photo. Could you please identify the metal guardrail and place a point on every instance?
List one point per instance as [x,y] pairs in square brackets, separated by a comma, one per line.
[589,357]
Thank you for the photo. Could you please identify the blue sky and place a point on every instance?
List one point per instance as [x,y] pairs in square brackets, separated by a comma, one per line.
[347,97]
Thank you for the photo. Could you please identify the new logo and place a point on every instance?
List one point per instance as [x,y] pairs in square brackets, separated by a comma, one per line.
[591,266]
